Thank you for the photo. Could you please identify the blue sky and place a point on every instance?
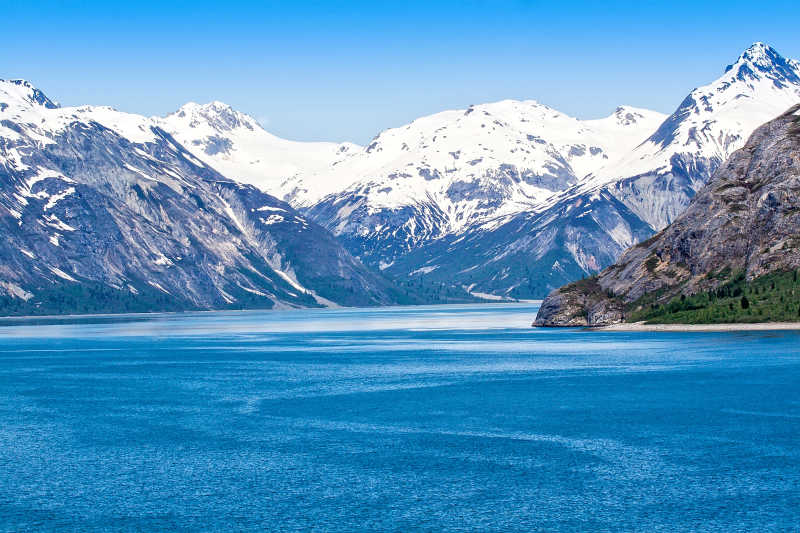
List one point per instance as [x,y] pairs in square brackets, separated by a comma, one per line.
[346,70]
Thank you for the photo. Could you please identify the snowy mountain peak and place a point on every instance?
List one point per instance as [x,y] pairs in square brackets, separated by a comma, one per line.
[219,115]
[235,144]
[761,54]
[444,173]
[22,92]
[760,85]
[762,60]
[628,115]
[711,123]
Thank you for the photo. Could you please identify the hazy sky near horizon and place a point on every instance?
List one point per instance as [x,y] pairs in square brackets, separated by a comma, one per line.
[346,70]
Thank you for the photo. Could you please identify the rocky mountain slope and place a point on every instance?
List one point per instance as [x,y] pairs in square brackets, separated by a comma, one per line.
[744,225]
[529,254]
[584,228]
[106,211]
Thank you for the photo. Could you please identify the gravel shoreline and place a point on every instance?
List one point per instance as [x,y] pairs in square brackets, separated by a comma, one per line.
[757,326]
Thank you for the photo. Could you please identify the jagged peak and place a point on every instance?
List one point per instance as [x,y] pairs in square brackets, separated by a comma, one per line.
[759,50]
[214,105]
[763,54]
[628,114]
[761,59]
[217,114]
[25,91]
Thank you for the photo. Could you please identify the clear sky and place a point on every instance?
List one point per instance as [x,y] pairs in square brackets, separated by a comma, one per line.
[346,70]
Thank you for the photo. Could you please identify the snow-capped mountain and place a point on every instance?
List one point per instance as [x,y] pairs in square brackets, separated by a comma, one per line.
[584,228]
[447,172]
[236,145]
[710,124]
[433,154]
[105,211]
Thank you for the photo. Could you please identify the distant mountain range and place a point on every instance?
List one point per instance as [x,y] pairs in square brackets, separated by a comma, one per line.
[732,256]
[510,199]
[203,208]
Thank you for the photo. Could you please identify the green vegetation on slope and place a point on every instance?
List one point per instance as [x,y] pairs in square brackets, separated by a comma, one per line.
[774,297]
[88,298]
[426,291]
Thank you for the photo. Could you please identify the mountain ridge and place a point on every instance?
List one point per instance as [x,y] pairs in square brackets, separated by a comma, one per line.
[525,152]
[236,144]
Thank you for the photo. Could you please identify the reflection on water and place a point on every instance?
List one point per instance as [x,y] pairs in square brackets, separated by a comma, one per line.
[432,418]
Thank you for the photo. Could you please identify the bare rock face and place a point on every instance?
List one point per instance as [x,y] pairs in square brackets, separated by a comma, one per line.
[604,311]
[582,303]
[563,309]
[747,219]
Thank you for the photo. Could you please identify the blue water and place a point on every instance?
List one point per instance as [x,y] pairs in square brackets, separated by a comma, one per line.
[457,418]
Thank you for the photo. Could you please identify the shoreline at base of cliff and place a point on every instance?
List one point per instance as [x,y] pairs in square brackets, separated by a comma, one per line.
[755,326]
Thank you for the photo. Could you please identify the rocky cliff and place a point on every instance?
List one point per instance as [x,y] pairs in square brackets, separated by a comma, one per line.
[742,226]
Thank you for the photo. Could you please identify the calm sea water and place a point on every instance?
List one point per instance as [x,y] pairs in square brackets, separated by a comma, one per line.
[457,418]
